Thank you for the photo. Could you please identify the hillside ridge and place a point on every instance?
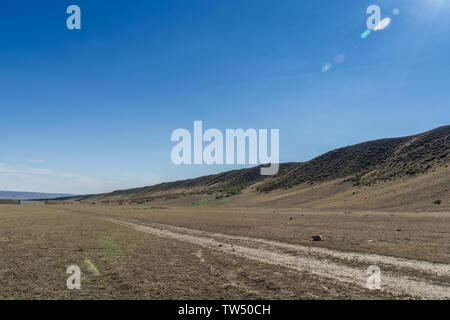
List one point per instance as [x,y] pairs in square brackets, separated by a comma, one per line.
[361,165]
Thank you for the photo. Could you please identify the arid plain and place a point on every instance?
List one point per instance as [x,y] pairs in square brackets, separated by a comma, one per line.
[214,252]
[382,204]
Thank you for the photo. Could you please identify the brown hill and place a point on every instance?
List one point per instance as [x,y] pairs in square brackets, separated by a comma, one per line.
[370,162]
[417,163]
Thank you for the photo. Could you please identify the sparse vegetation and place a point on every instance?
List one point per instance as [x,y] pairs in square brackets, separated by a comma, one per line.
[362,165]
[119,263]
[201,202]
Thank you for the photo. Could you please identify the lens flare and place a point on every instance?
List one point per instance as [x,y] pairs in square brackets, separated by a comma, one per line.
[339,58]
[396,11]
[326,67]
[365,34]
[383,24]
[91,267]
[112,251]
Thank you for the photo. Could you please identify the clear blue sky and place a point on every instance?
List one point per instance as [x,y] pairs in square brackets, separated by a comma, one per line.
[92,110]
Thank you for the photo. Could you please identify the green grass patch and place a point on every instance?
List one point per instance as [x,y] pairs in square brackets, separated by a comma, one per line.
[201,202]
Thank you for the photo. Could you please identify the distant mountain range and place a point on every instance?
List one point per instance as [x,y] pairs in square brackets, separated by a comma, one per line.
[17,195]
[410,172]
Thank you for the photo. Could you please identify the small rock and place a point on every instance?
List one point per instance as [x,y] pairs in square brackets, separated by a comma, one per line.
[398,229]
[317,238]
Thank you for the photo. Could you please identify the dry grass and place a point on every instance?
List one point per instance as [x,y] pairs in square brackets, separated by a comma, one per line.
[423,236]
[38,243]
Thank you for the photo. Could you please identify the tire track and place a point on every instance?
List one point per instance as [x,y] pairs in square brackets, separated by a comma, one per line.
[321,262]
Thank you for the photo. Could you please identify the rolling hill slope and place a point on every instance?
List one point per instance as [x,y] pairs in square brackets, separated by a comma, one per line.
[370,167]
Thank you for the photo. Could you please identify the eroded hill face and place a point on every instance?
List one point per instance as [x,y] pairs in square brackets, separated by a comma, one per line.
[370,162]
[407,172]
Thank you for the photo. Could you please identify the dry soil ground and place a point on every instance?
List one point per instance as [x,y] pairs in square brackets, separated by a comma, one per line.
[206,252]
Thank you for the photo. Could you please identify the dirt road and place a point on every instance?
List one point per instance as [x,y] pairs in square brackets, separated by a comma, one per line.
[402,277]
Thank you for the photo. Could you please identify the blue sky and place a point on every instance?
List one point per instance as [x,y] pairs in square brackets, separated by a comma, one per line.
[92,110]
